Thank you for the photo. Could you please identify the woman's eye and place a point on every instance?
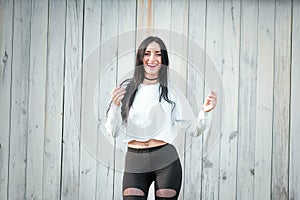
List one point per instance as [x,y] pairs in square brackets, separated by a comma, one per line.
[158,54]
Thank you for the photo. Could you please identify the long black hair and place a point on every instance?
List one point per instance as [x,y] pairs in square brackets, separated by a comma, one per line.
[133,83]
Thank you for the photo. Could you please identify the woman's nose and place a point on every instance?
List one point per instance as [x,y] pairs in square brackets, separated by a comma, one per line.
[152,57]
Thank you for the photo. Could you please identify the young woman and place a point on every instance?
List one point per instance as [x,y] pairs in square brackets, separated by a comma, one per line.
[146,112]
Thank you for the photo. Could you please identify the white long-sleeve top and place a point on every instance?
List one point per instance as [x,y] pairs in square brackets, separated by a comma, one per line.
[150,119]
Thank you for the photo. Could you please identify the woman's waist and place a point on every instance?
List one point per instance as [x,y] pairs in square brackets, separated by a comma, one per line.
[145,144]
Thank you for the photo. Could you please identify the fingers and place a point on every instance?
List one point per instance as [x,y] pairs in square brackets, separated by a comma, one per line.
[211,102]
[118,94]
[212,98]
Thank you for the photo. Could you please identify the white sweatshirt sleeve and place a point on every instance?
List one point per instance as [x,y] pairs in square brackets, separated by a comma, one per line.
[184,117]
[194,126]
[113,124]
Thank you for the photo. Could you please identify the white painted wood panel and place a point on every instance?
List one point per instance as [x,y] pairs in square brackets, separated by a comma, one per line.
[162,20]
[88,123]
[71,131]
[144,13]
[19,101]
[195,93]
[6,39]
[281,117]
[107,77]
[294,160]
[247,100]
[230,80]
[264,99]
[178,64]
[54,100]
[213,70]
[36,99]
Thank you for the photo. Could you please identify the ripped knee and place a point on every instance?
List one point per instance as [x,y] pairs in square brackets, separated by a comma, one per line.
[166,193]
[133,192]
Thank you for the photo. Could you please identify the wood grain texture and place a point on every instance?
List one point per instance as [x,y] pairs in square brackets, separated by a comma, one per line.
[54,100]
[19,101]
[145,17]
[36,99]
[264,99]
[162,20]
[214,50]
[294,162]
[88,123]
[71,130]
[247,100]
[107,81]
[281,117]
[178,63]
[230,80]
[195,93]
[6,41]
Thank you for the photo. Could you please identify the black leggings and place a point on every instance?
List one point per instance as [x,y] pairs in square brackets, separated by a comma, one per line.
[143,166]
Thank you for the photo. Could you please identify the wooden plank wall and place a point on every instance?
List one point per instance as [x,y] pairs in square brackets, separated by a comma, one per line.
[52,144]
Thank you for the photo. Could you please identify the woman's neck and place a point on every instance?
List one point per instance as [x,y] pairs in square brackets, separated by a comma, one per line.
[150,80]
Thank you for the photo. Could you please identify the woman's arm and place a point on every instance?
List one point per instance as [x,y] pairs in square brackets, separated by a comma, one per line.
[114,118]
[113,121]
[199,125]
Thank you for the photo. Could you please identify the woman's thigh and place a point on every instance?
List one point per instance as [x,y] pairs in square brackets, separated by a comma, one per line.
[136,185]
[168,181]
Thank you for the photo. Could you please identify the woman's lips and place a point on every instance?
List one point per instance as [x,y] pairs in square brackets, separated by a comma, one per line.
[152,65]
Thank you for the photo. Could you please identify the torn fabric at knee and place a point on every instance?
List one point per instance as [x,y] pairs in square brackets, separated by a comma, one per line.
[166,193]
[133,192]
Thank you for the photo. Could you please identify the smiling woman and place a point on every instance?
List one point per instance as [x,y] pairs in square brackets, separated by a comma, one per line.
[152,62]
[147,113]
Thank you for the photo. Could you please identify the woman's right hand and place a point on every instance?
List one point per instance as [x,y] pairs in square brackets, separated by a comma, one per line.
[117,95]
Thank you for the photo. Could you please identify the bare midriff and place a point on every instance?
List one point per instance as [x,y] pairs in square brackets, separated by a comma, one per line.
[145,144]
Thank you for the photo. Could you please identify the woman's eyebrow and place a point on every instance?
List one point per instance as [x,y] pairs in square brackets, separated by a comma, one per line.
[155,51]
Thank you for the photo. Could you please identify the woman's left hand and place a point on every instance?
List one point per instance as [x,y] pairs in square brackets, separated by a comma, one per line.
[210,102]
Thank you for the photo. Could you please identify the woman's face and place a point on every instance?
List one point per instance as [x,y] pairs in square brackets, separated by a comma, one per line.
[152,60]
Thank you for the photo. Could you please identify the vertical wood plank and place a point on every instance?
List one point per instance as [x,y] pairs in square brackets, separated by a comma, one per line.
[247,100]
[88,135]
[294,163]
[281,119]
[126,39]
[195,93]
[214,49]
[71,146]
[162,20]
[178,64]
[145,10]
[54,100]
[6,41]
[108,71]
[125,69]
[19,100]
[178,46]
[230,79]
[264,100]
[36,107]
